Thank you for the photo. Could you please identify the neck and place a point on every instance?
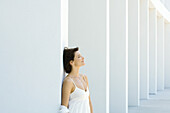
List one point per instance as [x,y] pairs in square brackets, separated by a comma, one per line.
[74,72]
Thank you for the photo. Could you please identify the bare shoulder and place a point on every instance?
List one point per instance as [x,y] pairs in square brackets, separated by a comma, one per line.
[66,90]
[67,82]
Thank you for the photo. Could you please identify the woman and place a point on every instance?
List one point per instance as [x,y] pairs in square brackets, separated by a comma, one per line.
[75,88]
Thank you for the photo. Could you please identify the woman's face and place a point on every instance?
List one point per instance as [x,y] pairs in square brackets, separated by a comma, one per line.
[78,59]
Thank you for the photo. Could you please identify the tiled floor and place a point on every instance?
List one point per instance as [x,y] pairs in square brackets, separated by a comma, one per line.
[159,103]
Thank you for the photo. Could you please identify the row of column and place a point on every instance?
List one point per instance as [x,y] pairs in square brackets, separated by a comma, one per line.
[125,50]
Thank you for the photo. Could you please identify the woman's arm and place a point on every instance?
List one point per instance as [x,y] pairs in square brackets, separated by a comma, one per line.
[91,107]
[66,90]
[90,103]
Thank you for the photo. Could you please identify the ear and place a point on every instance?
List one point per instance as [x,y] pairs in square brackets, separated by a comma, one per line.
[71,62]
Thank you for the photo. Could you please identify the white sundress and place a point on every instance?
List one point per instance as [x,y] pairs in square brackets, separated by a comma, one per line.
[79,100]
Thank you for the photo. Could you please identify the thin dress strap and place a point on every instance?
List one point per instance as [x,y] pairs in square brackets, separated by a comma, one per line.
[78,81]
[72,81]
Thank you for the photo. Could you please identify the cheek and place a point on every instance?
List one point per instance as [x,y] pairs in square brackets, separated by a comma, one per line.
[78,61]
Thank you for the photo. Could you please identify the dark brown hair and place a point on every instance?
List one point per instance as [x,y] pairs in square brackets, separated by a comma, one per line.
[68,55]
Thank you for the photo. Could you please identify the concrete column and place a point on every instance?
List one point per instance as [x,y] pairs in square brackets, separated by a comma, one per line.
[87,30]
[160,53]
[31,49]
[62,41]
[118,56]
[167,55]
[133,52]
[144,49]
[152,51]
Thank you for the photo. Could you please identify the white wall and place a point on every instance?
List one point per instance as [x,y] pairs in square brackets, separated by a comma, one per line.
[33,34]
[144,49]
[152,51]
[167,55]
[30,56]
[118,56]
[133,52]
[160,53]
[87,30]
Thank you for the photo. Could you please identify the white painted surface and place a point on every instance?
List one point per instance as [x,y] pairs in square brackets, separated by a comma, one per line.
[107,56]
[167,55]
[87,30]
[160,53]
[156,104]
[152,51]
[133,52]
[166,3]
[161,9]
[118,56]
[31,56]
[32,37]
[144,49]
